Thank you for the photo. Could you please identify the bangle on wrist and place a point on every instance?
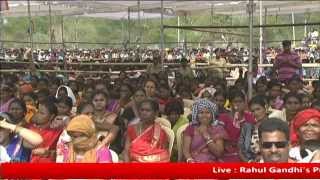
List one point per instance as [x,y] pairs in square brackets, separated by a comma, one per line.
[17,129]
[190,160]
[209,141]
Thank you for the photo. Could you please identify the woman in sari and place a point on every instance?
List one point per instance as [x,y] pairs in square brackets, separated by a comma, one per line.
[31,102]
[41,124]
[305,136]
[232,124]
[126,92]
[65,91]
[84,146]
[203,140]
[249,139]
[104,120]
[17,110]
[16,140]
[146,141]
[131,112]
[64,107]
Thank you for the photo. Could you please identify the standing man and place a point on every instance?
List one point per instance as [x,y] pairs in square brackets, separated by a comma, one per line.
[287,63]
[274,141]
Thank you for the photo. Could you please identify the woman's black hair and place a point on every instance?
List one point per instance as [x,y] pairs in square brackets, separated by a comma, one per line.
[140,89]
[153,102]
[221,93]
[63,89]
[44,92]
[65,100]
[236,93]
[82,106]
[273,83]
[174,106]
[21,103]
[51,107]
[128,86]
[294,95]
[261,100]
[105,94]
[32,95]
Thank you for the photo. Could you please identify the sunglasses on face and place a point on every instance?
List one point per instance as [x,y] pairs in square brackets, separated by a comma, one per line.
[280,144]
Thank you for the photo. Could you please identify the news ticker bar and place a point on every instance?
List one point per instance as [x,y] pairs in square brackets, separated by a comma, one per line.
[160,170]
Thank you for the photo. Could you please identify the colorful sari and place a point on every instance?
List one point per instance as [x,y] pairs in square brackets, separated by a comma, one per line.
[109,117]
[113,106]
[199,149]
[149,146]
[5,106]
[50,138]
[232,126]
[16,150]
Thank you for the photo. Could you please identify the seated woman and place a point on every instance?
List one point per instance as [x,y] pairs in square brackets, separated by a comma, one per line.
[174,111]
[204,139]
[126,92]
[64,107]
[232,122]
[146,141]
[220,98]
[131,113]
[17,142]
[84,146]
[305,136]
[18,110]
[249,139]
[31,102]
[66,91]
[104,120]
[41,124]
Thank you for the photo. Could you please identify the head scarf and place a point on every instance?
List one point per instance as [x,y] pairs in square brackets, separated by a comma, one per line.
[70,94]
[300,119]
[201,104]
[85,125]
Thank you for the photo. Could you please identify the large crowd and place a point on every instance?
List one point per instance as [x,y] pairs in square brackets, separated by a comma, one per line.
[232,55]
[154,118]
[209,56]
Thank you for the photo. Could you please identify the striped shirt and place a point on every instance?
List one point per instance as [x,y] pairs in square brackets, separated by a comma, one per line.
[286,70]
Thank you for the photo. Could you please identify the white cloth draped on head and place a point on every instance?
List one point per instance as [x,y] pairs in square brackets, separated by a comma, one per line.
[201,104]
[70,94]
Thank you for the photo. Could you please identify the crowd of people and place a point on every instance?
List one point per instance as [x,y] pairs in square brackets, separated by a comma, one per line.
[209,56]
[151,118]
[230,54]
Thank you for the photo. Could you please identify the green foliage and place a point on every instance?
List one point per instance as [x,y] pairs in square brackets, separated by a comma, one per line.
[99,30]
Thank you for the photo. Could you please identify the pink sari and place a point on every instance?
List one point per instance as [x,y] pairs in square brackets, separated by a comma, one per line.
[232,127]
[148,146]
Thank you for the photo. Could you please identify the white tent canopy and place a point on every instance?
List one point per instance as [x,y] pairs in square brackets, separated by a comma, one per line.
[151,9]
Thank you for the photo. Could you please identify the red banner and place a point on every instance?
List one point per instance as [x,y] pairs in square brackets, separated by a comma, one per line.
[161,171]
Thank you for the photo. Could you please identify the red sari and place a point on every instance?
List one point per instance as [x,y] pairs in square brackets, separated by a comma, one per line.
[50,139]
[149,146]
